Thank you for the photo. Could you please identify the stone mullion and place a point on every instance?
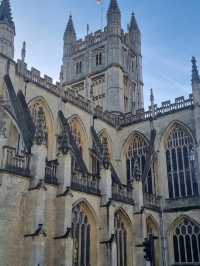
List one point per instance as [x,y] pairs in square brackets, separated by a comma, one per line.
[172,172]
[190,169]
[184,171]
[177,172]
[179,250]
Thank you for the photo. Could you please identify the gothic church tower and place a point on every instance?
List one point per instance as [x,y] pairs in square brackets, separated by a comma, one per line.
[7,30]
[106,65]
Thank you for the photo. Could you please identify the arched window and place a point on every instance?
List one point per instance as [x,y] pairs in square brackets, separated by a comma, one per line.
[99,59]
[77,134]
[121,239]
[186,243]
[180,163]
[81,231]
[153,229]
[135,161]
[39,119]
[95,163]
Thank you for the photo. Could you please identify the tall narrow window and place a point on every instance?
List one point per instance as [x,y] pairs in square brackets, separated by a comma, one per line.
[79,67]
[76,133]
[135,162]
[81,237]
[186,242]
[99,59]
[180,163]
[121,240]
[39,118]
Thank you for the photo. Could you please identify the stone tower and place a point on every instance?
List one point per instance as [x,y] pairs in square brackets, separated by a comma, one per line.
[7,30]
[69,40]
[106,65]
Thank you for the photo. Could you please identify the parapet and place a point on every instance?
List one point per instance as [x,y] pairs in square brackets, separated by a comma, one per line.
[34,76]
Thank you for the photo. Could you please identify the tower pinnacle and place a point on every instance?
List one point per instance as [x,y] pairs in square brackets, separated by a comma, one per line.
[114,16]
[133,23]
[6,14]
[7,30]
[70,30]
[195,73]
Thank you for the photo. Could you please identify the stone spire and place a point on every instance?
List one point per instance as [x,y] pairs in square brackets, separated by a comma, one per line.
[134,24]
[135,35]
[114,15]
[6,14]
[70,32]
[195,73]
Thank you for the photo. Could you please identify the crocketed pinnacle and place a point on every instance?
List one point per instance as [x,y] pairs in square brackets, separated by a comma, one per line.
[70,26]
[6,14]
[195,73]
[133,24]
[113,7]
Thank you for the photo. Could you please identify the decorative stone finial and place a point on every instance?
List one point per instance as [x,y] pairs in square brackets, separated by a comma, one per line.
[195,73]
[152,103]
[23,52]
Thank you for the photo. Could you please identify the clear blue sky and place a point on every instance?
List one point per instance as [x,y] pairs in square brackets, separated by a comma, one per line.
[170,37]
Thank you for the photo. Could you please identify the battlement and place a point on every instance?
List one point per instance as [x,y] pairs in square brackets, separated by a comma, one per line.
[95,38]
[119,120]
[89,40]
[34,76]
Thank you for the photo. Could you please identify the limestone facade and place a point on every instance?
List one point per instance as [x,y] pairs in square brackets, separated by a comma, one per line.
[81,186]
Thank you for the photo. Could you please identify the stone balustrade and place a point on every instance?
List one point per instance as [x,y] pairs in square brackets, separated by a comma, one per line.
[122,193]
[88,184]
[16,163]
[152,201]
[50,172]
[117,120]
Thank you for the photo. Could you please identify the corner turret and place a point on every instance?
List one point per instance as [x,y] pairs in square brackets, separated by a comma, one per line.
[135,35]
[114,18]
[69,40]
[7,30]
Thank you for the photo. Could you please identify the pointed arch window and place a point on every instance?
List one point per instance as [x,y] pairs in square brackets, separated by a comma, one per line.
[135,162]
[121,240]
[81,231]
[95,163]
[39,119]
[180,159]
[186,243]
[77,135]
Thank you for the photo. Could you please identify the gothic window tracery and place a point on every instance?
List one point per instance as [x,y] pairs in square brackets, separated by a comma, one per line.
[39,119]
[180,161]
[135,162]
[77,135]
[186,243]
[121,239]
[81,230]
[106,148]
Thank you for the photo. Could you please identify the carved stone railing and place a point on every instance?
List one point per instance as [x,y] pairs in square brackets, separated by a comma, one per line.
[186,264]
[50,172]
[87,184]
[122,193]
[16,163]
[186,203]
[117,120]
[152,201]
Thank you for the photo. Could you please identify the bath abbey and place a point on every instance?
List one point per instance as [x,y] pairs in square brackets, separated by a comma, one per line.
[88,177]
